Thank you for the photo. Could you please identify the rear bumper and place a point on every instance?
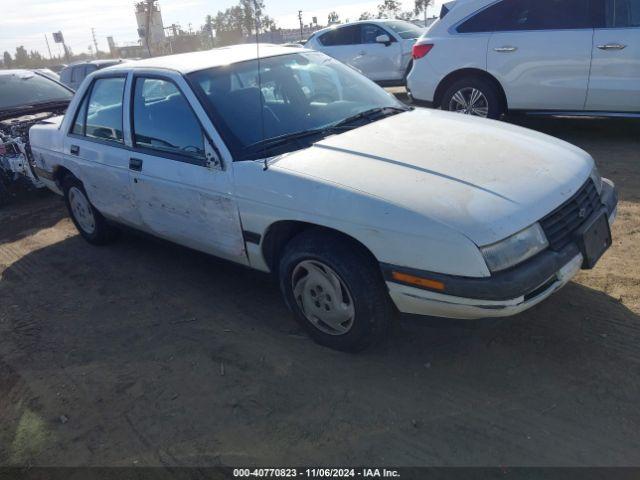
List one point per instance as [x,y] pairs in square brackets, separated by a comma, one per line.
[422,82]
[501,295]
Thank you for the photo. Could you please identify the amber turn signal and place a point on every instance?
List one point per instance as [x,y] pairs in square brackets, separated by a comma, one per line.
[420,282]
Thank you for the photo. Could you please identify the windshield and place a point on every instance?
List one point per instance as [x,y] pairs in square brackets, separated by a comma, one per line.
[289,94]
[406,30]
[28,88]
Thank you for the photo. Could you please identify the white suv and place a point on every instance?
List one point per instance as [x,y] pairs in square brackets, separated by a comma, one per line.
[379,49]
[484,57]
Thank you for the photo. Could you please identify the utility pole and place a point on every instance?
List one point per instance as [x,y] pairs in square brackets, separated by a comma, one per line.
[301,25]
[48,47]
[95,42]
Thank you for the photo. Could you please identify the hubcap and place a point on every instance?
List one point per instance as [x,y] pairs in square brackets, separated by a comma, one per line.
[469,101]
[81,210]
[323,297]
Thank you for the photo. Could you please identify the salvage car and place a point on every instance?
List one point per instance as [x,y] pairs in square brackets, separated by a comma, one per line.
[360,206]
[26,97]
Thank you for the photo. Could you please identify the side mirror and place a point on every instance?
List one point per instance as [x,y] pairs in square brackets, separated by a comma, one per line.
[212,155]
[384,39]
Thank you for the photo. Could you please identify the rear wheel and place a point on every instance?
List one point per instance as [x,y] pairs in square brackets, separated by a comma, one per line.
[473,96]
[90,223]
[335,291]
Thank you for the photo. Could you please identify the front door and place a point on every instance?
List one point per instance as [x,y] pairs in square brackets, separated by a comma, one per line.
[614,84]
[180,196]
[540,52]
[378,61]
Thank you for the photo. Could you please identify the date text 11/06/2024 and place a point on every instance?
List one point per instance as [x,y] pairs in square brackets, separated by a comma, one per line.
[316,472]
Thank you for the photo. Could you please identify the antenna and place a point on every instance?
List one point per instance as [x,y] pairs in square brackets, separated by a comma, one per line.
[257,22]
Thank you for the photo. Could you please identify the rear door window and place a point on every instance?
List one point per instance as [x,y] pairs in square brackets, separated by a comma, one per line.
[622,13]
[348,35]
[104,112]
[515,15]
[76,74]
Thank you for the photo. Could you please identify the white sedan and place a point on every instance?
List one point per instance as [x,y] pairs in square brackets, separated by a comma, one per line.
[299,166]
[379,49]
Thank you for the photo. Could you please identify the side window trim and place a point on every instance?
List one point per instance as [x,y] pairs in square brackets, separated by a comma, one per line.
[160,153]
[453,29]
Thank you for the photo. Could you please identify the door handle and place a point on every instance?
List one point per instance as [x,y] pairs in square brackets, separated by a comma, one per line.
[505,49]
[363,53]
[135,164]
[75,150]
[612,46]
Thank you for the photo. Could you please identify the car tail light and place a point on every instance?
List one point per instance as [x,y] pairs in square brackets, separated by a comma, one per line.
[421,50]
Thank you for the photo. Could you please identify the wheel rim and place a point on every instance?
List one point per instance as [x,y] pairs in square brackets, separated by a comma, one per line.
[81,210]
[469,101]
[323,297]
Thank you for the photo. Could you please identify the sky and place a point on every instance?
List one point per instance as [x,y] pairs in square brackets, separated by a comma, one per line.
[25,22]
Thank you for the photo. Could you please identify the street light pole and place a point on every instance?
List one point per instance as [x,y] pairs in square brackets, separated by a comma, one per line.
[301,27]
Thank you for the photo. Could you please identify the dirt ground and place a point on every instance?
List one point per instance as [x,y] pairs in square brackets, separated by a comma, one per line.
[145,353]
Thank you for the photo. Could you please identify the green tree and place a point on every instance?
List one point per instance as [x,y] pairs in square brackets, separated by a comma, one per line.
[389,9]
[333,17]
[366,16]
[21,57]
[421,6]
[8,61]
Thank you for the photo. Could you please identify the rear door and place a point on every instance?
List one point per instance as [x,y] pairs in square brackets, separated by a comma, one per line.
[614,84]
[342,43]
[180,194]
[540,51]
[95,143]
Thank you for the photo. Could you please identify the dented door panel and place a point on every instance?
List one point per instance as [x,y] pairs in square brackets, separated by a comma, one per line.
[188,204]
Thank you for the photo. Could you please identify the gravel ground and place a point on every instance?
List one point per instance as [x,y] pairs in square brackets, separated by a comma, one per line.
[145,353]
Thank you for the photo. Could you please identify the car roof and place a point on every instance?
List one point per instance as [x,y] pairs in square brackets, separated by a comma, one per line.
[358,22]
[97,62]
[217,57]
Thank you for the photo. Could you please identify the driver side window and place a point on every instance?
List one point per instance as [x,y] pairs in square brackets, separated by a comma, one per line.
[164,121]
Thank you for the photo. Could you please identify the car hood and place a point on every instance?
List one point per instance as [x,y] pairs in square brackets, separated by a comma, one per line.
[483,178]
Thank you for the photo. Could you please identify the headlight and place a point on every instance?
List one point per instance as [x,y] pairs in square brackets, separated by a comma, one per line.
[597,179]
[515,249]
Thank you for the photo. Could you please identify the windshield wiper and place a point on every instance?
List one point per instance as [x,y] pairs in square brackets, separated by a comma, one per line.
[370,115]
[271,143]
[348,123]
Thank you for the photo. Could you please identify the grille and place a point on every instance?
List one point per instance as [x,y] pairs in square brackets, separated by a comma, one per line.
[560,225]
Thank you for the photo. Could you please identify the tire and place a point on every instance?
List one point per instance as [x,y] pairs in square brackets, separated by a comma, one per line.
[91,225]
[489,102]
[365,300]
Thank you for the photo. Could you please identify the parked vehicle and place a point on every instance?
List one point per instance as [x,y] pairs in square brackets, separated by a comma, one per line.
[379,49]
[26,97]
[359,205]
[487,57]
[47,72]
[73,75]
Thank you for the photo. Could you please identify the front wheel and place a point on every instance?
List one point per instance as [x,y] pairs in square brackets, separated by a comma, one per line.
[335,291]
[473,96]
[90,223]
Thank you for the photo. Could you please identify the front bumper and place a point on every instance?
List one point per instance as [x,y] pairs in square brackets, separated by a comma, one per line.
[501,295]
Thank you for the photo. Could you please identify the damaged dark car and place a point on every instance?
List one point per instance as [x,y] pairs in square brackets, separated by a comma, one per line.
[26,98]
